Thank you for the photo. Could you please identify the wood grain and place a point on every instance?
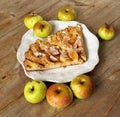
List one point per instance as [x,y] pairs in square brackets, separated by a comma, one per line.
[105,101]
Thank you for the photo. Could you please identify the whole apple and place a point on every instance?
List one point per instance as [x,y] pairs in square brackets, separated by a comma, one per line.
[66,13]
[31,19]
[35,91]
[82,86]
[42,29]
[59,95]
[106,32]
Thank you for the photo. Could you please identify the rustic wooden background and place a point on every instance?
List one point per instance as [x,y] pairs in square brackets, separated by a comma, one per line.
[105,101]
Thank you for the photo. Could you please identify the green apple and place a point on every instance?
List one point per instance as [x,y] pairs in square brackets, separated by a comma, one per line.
[59,95]
[66,13]
[42,29]
[106,32]
[31,19]
[35,91]
[82,86]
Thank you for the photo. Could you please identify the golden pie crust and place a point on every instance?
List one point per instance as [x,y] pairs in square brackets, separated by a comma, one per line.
[64,48]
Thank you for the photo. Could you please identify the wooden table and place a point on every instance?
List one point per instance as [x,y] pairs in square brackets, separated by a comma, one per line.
[104,102]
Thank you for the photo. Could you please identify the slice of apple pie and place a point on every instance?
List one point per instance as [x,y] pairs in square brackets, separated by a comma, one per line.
[63,48]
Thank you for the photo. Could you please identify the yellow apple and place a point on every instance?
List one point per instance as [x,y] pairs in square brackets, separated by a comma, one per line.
[66,13]
[31,19]
[82,86]
[35,91]
[106,32]
[42,29]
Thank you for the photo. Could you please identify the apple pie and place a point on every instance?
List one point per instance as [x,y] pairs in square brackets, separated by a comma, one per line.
[63,48]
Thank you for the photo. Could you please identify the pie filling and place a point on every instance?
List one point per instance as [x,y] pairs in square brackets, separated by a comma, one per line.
[63,48]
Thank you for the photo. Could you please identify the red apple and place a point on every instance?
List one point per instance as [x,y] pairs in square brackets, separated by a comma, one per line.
[59,95]
[82,86]
[106,32]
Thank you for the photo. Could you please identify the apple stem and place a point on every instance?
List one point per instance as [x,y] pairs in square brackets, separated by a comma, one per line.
[32,88]
[34,14]
[42,26]
[82,82]
[66,10]
[57,91]
[107,26]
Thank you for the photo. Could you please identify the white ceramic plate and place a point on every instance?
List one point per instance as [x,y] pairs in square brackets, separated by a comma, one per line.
[61,75]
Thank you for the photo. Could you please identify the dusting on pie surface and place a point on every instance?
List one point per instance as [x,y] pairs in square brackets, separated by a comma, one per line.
[64,48]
